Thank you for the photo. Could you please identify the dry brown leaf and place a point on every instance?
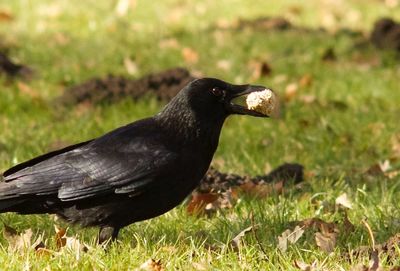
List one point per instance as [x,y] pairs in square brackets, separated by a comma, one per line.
[42,251]
[395,142]
[260,190]
[374,261]
[60,237]
[291,91]
[224,64]
[374,264]
[27,90]
[170,43]
[326,241]
[151,265]
[259,69]
[382,169]
[392,3]
[304,266]
[320,225]
[344,201]
[190,55]
[200,266]
[289,237]
[130,66]
[19,241]
[347,225]
[66,242]
[199,202]
[61,38]
[305,80]
[6,16]
[52,10]
[236,241]
[123,7]
[308,99]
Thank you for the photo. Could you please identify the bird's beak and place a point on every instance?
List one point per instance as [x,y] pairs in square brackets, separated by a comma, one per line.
[238,91]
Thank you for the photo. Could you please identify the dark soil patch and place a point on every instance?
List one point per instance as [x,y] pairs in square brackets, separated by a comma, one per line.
[386,34]
[11,69]
[164,85]
[215,181]
[265,23]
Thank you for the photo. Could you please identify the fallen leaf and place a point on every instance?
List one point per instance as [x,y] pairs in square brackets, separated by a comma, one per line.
[224,64]
[151,265]
[326,241]
[289,237]
[190,55]
[27,90]
[50,10]
[374,261]
[175,15]
[347,225]
[291,91]
[70,243]
[261,190]
[395,142]
[60,237]
[199,201]
[61,38]
[236,241]
[123,6]
[319,225]
[304,266]
[200,266]
[170,43]
[392,3]
[6,16]
[382,169]
[308,99]
[19,241]
[305,80]
[42,251]
[130,66]
[259,69]
[344,201]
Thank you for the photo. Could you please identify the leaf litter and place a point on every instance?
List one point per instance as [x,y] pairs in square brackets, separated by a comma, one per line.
[219,190]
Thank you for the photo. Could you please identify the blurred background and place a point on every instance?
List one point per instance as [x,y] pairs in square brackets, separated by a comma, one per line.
[72,70]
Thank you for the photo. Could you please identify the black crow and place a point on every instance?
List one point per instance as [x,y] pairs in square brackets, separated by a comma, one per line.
[133,173]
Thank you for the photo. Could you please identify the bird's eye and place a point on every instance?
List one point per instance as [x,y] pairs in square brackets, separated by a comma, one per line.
[216,91]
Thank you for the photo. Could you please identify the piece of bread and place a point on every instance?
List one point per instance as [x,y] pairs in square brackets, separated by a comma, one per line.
[262,101]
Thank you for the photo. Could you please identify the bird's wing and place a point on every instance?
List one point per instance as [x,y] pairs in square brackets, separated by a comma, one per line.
[119,172]
[110,165]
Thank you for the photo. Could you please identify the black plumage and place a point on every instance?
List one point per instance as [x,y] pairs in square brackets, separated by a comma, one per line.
[133,173]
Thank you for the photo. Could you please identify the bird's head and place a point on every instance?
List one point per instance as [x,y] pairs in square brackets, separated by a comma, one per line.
[200,109]
[218,98]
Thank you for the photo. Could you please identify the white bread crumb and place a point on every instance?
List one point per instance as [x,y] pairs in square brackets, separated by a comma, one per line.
[262,101]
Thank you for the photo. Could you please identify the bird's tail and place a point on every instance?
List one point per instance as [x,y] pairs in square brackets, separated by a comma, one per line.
[7,200]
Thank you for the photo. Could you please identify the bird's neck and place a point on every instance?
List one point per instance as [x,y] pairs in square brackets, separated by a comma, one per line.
[188,127]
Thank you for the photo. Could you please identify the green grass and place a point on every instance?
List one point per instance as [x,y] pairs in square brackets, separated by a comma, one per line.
[337,138]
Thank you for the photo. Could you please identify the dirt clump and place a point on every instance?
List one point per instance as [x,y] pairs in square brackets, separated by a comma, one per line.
[386,34]
[216,181]
[12,70]
[164,85]
[265,23]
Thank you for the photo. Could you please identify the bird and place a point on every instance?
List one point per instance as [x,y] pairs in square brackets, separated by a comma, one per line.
[133,173]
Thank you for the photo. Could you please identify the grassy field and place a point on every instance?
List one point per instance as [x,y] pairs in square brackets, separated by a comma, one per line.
[338,124]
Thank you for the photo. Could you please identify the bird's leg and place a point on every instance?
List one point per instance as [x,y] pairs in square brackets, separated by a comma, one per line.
[106,233]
